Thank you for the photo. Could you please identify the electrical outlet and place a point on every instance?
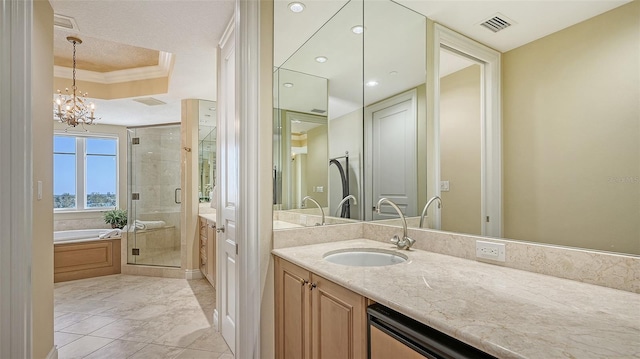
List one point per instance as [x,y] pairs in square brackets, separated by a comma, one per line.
[490,250]
[444,186]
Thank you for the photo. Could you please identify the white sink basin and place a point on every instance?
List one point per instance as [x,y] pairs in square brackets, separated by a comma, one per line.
[363,257]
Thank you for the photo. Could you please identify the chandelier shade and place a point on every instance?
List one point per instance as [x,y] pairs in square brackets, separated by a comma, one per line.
[72,107]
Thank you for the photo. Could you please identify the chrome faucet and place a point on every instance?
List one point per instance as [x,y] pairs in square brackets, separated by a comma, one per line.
[426,208]
[405,242]
[317,204]
[344,200]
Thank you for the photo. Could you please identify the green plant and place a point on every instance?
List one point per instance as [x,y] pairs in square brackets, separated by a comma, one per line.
[116,217]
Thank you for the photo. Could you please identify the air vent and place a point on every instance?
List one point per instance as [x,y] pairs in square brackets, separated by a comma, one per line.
[65,22]
[497,23]
[150,101]
[317,110]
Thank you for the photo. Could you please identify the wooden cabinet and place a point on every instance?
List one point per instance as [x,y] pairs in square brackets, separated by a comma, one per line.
[316,318]
[208,250]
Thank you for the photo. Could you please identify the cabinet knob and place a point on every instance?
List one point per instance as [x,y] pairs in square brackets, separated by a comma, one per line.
[312,285]
[303,281]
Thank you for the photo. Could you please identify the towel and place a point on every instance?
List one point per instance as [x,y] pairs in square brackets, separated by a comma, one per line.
[112,233]
[149,224]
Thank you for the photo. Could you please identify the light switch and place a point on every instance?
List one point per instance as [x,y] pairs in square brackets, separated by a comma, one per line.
[39,190]
[444,186]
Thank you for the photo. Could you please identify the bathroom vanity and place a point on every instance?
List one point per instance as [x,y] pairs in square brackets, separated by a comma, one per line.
[207,242]
[504,312]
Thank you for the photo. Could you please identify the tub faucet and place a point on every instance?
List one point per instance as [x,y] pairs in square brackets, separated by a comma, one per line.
[344,200]
[426,208]
[319,206]
[405,242]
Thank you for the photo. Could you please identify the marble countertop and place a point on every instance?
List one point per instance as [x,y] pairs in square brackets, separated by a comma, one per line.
[209,216]
[506,312]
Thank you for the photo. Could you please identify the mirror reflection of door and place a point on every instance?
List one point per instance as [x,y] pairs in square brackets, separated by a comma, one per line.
[391,131]
[460,143]
[308,167]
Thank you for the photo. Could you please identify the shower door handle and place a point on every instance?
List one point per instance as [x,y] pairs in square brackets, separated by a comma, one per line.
[176,197]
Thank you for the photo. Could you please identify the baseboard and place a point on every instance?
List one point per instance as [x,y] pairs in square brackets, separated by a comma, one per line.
[193,274]
[53,354]
[215,320]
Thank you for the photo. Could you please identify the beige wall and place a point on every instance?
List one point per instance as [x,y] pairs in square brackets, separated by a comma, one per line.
[42,165]
[94,219]
[317,164]
[571,135]
[460,150]
[189,232]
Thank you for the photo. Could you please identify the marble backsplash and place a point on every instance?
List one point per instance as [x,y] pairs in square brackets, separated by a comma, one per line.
[612,270]
[308,217]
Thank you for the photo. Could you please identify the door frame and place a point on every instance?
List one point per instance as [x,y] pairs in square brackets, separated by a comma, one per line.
[491,129]
[411,95]
[16,181]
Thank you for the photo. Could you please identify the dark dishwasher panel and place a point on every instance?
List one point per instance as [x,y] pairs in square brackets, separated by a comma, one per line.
[426,341]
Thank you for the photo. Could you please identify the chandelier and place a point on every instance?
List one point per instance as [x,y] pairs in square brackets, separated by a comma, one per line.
[71,108]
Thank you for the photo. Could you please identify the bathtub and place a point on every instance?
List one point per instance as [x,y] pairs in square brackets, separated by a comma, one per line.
[79,254]
[78,235]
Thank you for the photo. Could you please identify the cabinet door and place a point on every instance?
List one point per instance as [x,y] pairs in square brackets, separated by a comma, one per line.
[292,311]
[203,246]
[211,253]
[338,321]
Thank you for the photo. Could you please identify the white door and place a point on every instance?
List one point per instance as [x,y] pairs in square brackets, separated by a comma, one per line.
[393,156]
[228,198]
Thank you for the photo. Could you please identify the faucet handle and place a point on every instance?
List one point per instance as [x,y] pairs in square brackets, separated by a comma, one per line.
[395,240]
[409,242]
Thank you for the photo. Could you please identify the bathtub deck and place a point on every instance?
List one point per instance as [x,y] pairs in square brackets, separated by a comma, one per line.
[81,260]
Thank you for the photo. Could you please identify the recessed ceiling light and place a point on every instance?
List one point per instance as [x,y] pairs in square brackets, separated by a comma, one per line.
[287,84]
[393,73]
[358,29]
[372,83]
[321,59]
[296,7]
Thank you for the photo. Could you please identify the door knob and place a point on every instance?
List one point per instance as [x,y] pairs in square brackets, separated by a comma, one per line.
[220,229]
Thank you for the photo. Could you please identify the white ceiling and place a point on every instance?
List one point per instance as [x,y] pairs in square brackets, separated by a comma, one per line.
[188,29]
[534,19]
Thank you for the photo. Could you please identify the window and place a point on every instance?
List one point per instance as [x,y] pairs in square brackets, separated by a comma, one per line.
[85,172]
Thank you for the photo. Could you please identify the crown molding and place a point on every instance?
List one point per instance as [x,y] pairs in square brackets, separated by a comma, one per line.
[162,69]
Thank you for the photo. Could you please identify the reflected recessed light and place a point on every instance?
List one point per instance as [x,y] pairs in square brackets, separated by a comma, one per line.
[212,108]
[295,121]
[296,7]
[358,29]
[287,84]
[393,73]
[321,59]
[372,83]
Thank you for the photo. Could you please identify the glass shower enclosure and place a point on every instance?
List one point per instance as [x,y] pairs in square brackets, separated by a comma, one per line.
[153,230]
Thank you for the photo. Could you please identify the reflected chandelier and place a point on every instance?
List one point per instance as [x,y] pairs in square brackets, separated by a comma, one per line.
[72,108]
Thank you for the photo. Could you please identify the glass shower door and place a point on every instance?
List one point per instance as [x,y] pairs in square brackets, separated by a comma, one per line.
[154,196]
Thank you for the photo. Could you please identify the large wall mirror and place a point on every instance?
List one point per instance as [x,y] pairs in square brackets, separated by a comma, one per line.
[569,155]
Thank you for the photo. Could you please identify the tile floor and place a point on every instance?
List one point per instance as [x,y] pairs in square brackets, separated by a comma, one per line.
[124,316]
